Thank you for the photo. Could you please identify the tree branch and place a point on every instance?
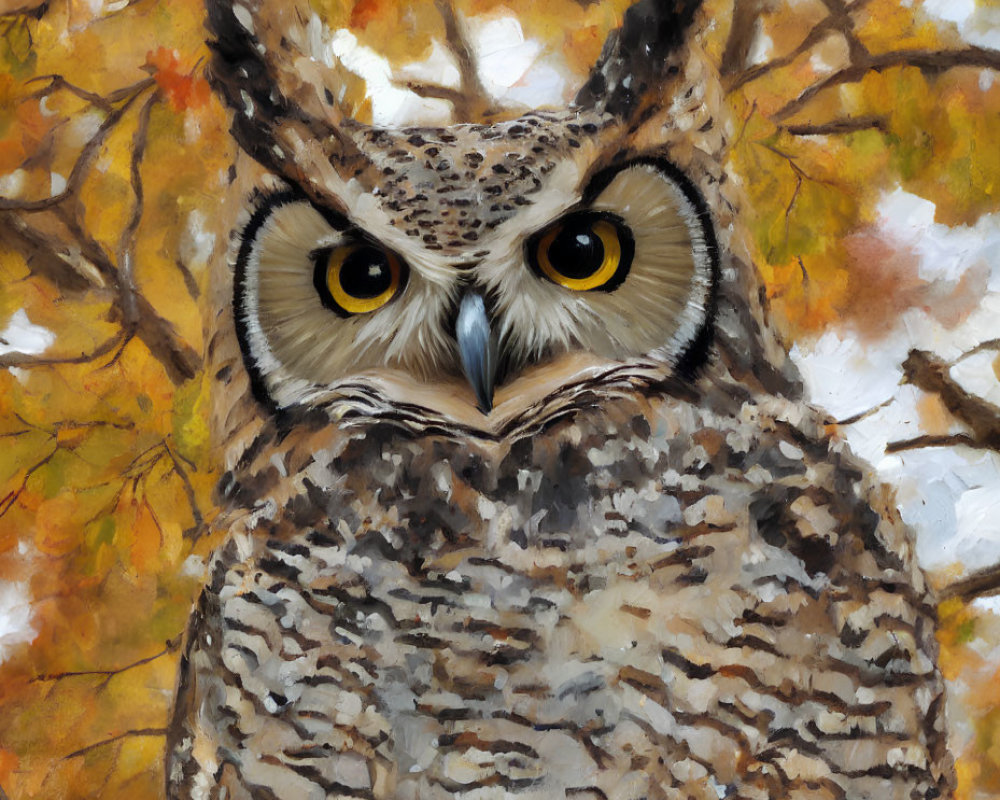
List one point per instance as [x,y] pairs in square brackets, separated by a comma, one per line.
[179,359]
[87,155]
[863,414]
[171,646]
[817,34]
[473,102]
[978,584]
[925,371]
[924,60]
[839,127]
[26,361]
[192,498]
[930,440]
[126,248]
[57,82]
[741,33]
[104,742]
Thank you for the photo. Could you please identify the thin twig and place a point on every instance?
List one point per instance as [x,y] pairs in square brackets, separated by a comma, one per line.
[127,735]
[864,414]
[57,82]
[26,361]
[199,520]
[171,646]
[27,10]
[839,127]
[932,440]
[87,155]
[982,347]
[7,502]
[472,100]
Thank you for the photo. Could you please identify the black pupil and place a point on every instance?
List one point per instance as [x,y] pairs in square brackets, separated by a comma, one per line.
[365,273]
[577,252]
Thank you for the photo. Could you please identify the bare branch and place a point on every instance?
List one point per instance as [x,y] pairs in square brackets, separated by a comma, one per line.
[473,100]
[926,371]
[841,12]
[800,175]
[817,34]
[434,92]
[171,646]
[199,520]
[982,347]
[126,248]
[978,584]
[59,262]
[127,735]
[87,155]
[741,33]
[924,60]
[470,100]
[30,8]
[864,414]
[25,361]
[57,82]
[931,440]
[7,502]
[179,359]
[840,126]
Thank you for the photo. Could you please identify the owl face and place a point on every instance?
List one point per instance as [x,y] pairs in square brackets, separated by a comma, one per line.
[473,263]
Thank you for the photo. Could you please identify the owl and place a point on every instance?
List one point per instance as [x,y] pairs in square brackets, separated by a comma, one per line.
[522,498]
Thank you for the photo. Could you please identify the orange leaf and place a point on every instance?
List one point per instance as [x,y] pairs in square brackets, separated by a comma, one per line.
[148,539]
[184,89]
[57,524]
[8,763]
[364,12]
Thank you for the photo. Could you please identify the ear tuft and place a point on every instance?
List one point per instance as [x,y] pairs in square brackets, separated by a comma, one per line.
[638,56]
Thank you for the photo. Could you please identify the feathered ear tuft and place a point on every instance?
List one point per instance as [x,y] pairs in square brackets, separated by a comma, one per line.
[269,65]
[638,56]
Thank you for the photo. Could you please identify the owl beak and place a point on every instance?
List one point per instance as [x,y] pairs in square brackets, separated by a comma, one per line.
[477,348]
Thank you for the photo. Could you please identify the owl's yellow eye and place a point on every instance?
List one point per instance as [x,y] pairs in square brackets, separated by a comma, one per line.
[584,252]
[357,278]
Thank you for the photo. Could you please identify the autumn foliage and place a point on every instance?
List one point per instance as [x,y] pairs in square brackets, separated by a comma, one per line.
[113,156]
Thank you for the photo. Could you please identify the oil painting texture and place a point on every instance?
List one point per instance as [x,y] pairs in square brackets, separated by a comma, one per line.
[499,399]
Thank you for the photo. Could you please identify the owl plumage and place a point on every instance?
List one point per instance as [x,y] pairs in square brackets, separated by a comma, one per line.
[503,522]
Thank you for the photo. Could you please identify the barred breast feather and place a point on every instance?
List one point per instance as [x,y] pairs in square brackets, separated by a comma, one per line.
[671,603]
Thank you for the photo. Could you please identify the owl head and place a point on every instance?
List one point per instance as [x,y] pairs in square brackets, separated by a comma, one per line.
[488,275]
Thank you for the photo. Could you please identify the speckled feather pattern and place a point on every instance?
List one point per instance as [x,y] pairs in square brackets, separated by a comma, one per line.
[450,187]
[652,600]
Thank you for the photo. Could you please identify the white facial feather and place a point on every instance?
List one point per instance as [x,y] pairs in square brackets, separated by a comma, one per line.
[299,346]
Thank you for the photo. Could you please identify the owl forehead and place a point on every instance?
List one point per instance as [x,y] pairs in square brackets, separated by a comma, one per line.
[450,188]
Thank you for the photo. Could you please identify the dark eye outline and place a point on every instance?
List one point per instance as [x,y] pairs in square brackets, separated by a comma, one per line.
[328,296]
[539,243]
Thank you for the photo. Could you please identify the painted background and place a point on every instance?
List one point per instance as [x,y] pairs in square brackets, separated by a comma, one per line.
[865,133]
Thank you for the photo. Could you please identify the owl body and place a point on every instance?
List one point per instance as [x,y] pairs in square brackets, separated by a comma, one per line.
[522,499]
[650,600]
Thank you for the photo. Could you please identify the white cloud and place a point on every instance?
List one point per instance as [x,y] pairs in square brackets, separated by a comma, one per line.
[979,25]
[21,336]
[391,105]
[15,617]
[949,495]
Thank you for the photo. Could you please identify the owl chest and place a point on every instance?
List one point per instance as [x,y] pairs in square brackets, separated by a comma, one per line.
[556,640]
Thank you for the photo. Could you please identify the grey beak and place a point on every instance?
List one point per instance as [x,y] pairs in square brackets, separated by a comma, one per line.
[477,348]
